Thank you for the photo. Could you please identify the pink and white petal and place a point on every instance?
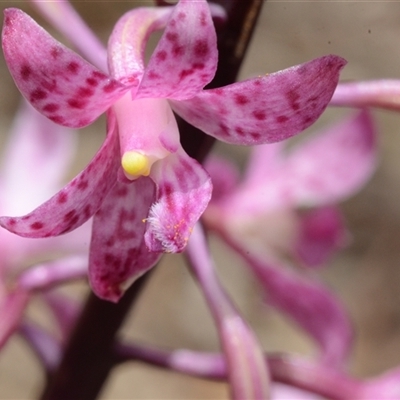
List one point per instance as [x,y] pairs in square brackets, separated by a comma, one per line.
[118,253]
[322,232]
[384,93]
[129,38]
[224,176]
[12,308]
[266,109]
[334,164]
[186,57]
[37,148]
[66,20]
[183,192]
[77,201]
[285,392]
[56,81]
[311,305]
[264,161]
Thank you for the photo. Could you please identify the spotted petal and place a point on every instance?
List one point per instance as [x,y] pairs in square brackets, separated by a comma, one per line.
[186,56]
[183,192]
[266,109]
[56,81]
[333,165]
[118,253]
[76,202]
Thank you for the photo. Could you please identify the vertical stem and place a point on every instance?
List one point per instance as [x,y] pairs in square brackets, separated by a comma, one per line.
[88,357]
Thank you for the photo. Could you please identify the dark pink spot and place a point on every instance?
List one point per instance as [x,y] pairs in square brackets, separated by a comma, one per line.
[177,50]
[181,16]
[259,114]
[307,120]
[51,107]
[161,55]
[281,119]
[198,65]
[201,48]
[12,222]
[167,189]
[224,128]
[38,94]
[153,75]
[85,92]
[241,99]
[186,72]
[239,130]
[203,19]
[255,135]
[110,87]
[62,197]
[92,81]
[257,82]
[171,36]
[98,75]
[73,67]
[55,52]
[122,191]
[87,212]
[77,103]
[26,72]
[7,21]
[37,225]
[110,242]
[69,215]
[57,119]
[218,91]
[83,185]
[292,96]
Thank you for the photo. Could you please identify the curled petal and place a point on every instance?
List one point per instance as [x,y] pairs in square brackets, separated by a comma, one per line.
[334,165]
[76,202]
[183,192]
[266,109]
[118,254]
[56,81]
[186,57]
[128,40]
[384,93]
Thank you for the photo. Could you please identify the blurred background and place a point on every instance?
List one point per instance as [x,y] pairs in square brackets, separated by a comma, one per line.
[366,275]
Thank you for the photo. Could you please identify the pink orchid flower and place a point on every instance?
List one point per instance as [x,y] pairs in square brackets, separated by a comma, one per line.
[38,150]
[260,219]
[144,191]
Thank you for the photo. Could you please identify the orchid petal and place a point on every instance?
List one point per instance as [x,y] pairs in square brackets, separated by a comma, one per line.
[37,148]
[322,233]
[128,40]
[186,57]
[309,304]
[384,93]
[118,253]
[333,165]
[66,20]
[76,202]
[183,192]
[266,109]
[56,81]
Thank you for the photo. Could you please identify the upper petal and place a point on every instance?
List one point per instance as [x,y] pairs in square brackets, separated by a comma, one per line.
[186,56]
[128,40]
[118,253]
[265,109]
[76,202]
[183,192]
[56,81]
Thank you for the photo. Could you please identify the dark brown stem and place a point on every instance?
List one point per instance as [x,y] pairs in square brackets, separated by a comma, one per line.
[88,357]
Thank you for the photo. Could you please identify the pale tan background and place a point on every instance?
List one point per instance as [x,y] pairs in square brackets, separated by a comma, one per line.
[366,275]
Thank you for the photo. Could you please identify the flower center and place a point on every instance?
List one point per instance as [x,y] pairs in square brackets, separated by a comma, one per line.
[135,164]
